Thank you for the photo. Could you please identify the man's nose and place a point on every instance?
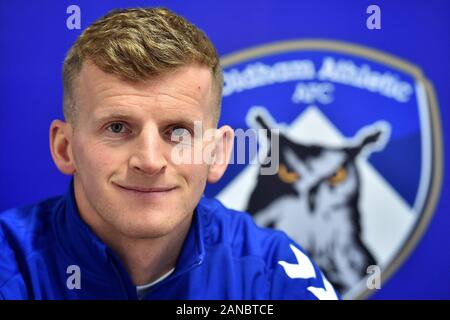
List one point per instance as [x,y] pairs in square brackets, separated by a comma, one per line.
[148,153]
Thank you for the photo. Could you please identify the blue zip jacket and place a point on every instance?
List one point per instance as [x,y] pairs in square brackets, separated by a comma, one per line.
[225,256]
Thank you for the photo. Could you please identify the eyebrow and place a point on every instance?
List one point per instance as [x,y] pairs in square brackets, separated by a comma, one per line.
[112,115]
[115,115]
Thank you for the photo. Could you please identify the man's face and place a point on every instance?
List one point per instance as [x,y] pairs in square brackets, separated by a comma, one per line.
[122,148]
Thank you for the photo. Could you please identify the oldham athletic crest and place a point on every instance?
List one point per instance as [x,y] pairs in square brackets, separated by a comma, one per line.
[359,153]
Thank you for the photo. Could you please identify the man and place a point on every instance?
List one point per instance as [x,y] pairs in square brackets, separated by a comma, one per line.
[133,223]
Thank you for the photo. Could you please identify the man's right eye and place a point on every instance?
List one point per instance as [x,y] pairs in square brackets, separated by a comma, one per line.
[116,127]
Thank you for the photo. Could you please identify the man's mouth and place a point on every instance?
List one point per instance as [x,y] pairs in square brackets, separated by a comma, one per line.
[145,189]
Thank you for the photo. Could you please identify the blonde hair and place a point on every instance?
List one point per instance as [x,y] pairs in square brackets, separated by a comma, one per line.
[138,44]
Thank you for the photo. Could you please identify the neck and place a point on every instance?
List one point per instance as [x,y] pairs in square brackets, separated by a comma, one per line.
[145,259]
[148,259]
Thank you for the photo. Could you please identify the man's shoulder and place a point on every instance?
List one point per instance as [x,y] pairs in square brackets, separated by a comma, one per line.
[238,230]
[289,271]
[22,220]
[24,230]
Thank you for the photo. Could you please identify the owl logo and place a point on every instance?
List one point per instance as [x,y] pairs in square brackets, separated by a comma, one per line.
[353,168]
[314,198]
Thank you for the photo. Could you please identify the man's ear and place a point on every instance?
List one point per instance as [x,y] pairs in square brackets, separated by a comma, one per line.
[60,146]
[223,145]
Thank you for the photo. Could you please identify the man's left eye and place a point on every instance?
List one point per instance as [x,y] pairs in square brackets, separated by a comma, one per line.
[180,132]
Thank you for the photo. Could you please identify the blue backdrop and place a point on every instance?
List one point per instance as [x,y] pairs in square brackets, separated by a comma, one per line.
[34,39]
